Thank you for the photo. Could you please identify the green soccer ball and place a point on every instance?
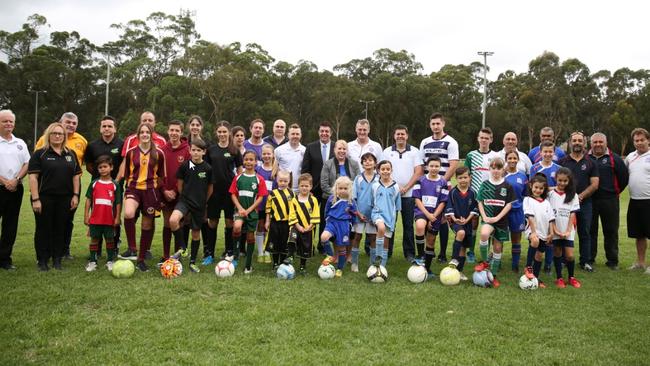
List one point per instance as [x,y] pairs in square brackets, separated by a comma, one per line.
[123,269]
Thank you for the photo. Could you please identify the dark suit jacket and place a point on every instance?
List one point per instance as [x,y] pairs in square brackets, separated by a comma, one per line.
[312,163]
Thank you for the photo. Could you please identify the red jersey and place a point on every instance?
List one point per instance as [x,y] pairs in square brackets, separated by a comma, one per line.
[104,196]
[174,158]
[133,141]
[142,169]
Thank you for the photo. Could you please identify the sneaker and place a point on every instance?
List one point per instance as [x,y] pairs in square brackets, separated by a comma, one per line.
[528,272]
[275,267]
[43,267]
[636,266]
[235,262]
[354,268]
[574,282]
[129,254]
[248,270]
[68,257]
[327,260]
[482,266]
[613,267]
[547,270]
[91,266]
[184,252]
[142,266]
[207,260]
[430,276]
[161,261]
[338,273]
[302,271]
[587,267]
[229,258]
[463,277]
[559,283]
[442,260]
[288,261]
[8,267]
[57,264]
[148,255]
[194,268]
[260,258]
[541,284]
[109,266]
[267,258]
[647,271]
[418,261]
[496,283]
[470,257]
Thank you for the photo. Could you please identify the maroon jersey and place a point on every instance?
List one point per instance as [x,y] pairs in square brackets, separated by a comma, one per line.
[174,158]
[133,141]
[142,169]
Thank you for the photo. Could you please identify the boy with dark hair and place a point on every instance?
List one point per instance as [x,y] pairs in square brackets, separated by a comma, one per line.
[461,209]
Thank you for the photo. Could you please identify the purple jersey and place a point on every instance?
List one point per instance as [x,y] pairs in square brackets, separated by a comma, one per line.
[431,192]
[248,145]
[270,184]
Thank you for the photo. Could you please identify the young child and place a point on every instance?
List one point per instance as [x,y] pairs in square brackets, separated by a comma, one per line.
[276,223]
[247,191]
[104,198]
[386,202]
[194,181]
[268,170]
[546,166]
[304,215]
[362,195]
[516,220]
[430,193]
[339,211]
[495,198]
[565,203]
[460,210]
[539,216]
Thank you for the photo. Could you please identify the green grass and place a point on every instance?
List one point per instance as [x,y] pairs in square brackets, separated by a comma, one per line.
[74,317]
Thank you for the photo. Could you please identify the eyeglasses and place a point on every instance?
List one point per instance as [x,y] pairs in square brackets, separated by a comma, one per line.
[56,133]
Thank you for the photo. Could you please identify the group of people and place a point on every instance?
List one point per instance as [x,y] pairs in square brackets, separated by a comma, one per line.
[274,192]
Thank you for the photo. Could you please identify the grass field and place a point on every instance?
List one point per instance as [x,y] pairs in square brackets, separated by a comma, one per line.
[73,317]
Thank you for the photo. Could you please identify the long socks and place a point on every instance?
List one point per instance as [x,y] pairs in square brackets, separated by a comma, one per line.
[548,259]
[530,255]
[558,266]
[496,263]
[516,255]
[429,254]
[229,240]
[419,244]
[570,267]
[146,236]
[327,247]
[259,242]
[110,250]
[129,229]
[341,262]
[355,255]
[381,251]
[166,241]
[194,250]
[250,248]
[209,239]
[483,247]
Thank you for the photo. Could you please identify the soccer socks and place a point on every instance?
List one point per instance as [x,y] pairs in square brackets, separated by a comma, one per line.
[110,250]
[444,239]
[234,240]
[379,249]
[496,263]
[209,239]
[419,244]
[461,264]
[146,237]
[166,241]
[194,248]
[483,247]
[229,241]
[537,266]
[327,247]
[548,259]
[455,249]
[429,254]
[570,267]
[250,248]
[530,256]
[341,263]
[472,244]
[179,238]
[129,229]
[516,255]
[259,242]
[558,266]
[93,251]
[373,254]
[355,255]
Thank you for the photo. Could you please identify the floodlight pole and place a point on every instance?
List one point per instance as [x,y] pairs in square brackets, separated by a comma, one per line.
[366,102]
[36,115]
[108,80]
[485,54]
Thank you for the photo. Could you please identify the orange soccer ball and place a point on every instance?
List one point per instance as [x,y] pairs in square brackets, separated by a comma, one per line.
[171,268]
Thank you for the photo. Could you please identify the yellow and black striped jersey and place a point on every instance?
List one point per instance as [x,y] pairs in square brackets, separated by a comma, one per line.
[278,204]
[304,213]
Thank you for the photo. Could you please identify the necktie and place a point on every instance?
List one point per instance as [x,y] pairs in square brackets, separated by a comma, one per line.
[324,152]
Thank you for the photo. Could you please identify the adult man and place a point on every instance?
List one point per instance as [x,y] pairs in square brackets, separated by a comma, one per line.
[585,174]
[363,144]
[278,137]
[289,156]
[638,220]
[446,147]
[407,169]
[107,144]
[510,142]
[14,158]
[613,180]
[545,134]
[78,144]
[255,143]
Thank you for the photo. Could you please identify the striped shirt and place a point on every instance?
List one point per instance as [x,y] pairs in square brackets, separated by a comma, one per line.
[277,204]
[143,169]
[479,166]
[133,141]
[446,148]
[304,212]
[103,196]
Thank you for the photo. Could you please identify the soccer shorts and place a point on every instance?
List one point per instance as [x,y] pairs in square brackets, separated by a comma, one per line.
[101,231]
[196,215]
[148,200]
[563,243]
[278,235]
[364,227]
[499,233]
[220,202]
[516,220]
[340,229]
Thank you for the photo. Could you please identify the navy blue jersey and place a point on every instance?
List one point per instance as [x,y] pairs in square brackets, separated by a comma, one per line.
[461,204]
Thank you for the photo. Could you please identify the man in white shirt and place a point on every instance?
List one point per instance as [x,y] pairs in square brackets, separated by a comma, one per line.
[363,144]
[510,142]
[289,156]
[638,220]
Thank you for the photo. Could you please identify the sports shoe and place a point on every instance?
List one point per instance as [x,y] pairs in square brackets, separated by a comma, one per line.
[235,262]
[470,257]
[528,272]
[8,267]
[559,283]
[161,261]
[91,266]
[267,258]
[496,283]
[43,267]
[68,257]
[541,284]
[288,261]
[302,271]
[636,265]
[194,268]
[109,266]
[185,252]
[57,264]
[129,254]
[463,277]
[574,282]
[430,276]
[260,258]
[547,270]
[418,261]
[142,266]
[207,261]
[338,273]
[587,267]
[327,260]
[354,268]
[148,255]
[481,266]
[442,260]
[647,271]
[229,258]
[248,270]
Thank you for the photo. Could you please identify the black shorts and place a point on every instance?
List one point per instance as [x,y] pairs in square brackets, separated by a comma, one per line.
[304,245]
[220,202]
[638,219]
[196,216]
[278,235]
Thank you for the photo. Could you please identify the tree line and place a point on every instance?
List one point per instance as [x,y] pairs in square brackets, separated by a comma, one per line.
[163,65]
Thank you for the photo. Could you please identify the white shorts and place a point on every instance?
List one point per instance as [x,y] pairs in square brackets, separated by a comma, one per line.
[387,233]
[367,227]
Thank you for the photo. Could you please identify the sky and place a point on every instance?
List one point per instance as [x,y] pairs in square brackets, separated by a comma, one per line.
[602,34]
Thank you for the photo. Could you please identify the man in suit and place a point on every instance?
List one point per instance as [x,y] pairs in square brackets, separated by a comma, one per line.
[316,154]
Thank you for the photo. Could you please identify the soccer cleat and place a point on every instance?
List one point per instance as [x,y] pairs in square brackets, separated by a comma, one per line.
[248,270]
[528,272]
[229,258]
[327,260]
[148,255]
[109,266]
[184,252]
[574,282]
[418,261]
[194,268]
[338,273]
[91,266]
[288,261]
[470,257]
[587,267]
[559,283]
[129,254]
[636,266]
[207,261]
[303,271]
[142,266]
[481,266]
[430,276]
[647,271]
[496,283]
[8,267]
[541,284]
[57,264]
[463,277]
[43,267]
[547,270]
[354,268]
[161,261]
[235,262]
[267,258]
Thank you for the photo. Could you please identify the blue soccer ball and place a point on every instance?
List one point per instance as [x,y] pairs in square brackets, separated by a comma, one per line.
[285,272]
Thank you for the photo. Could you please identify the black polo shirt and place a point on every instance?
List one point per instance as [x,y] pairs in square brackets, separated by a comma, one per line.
[223,165]
[98,148]
[583,170]
[196,179]
[613,175]
[55,172]
[271,141]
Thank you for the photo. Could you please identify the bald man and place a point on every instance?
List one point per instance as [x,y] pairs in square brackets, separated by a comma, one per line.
[279,136]
[510,142]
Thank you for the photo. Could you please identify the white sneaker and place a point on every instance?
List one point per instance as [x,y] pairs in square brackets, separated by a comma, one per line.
[354,268]
[463,277]
[636,265]
[647,271]
[248,271]
[109,266]
[91,266]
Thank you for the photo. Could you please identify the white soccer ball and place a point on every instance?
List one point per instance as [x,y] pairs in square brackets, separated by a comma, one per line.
[417,274]
[224,269]
[483,278]
[326,272]
[285,272]
[450,276]
[377,274]
[526,283]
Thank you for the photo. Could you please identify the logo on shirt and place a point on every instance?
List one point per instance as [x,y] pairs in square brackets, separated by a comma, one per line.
[520,181]
[503,192]
[605,161]
[226,155]
[68,159]
[583,167]
[19,147]
[114,151]
[254,186]
[202,175]
[180,158]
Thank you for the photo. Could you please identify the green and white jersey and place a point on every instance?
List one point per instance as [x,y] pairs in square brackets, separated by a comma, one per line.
[479,167]
[495,197]
[247,188]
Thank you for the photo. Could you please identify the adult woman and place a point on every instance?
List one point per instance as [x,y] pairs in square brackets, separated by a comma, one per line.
[336,166]
[239,136]
[195,125]
[226,161]
[145,174]
[54,183]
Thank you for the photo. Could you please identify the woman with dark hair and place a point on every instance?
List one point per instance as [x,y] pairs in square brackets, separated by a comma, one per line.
[195,127]
[238,138]
[54,183]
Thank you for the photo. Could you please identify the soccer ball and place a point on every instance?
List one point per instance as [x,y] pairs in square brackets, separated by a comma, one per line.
[224,269]
[123,269]
[285,272]
[377,274]
[326,272]
[417,274]
[483,278]
[450,276]
[171,268]
[526,283]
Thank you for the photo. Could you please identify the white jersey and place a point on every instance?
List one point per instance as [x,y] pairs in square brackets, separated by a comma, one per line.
[404,164]
[290,159]
[563,211]
[355,150]
[542,212]
[639,167]
[524,163]
[446,148]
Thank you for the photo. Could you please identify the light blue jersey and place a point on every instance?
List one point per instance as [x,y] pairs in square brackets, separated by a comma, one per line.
[362,195]
[386,202]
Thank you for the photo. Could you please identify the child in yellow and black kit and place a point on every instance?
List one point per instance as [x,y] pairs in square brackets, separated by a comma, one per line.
[303,217]
[277,218]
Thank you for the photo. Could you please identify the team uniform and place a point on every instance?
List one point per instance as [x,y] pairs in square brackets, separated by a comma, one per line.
[548,171]
[432,193]
[356,150]
[142,171]
[563,213]
[104,197]
[247,188]
[133,141]
[174,158]
[516,220]
[339,219]
[278,208]
[248,145]
[271,141]
[535,155]
[197,179]
[224,167]
[304,212]
[495,197]
[270,183]
[523,165]
[478,163]
[386,203]
[100,147]
[541,212]
[462,204]
[362,195]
